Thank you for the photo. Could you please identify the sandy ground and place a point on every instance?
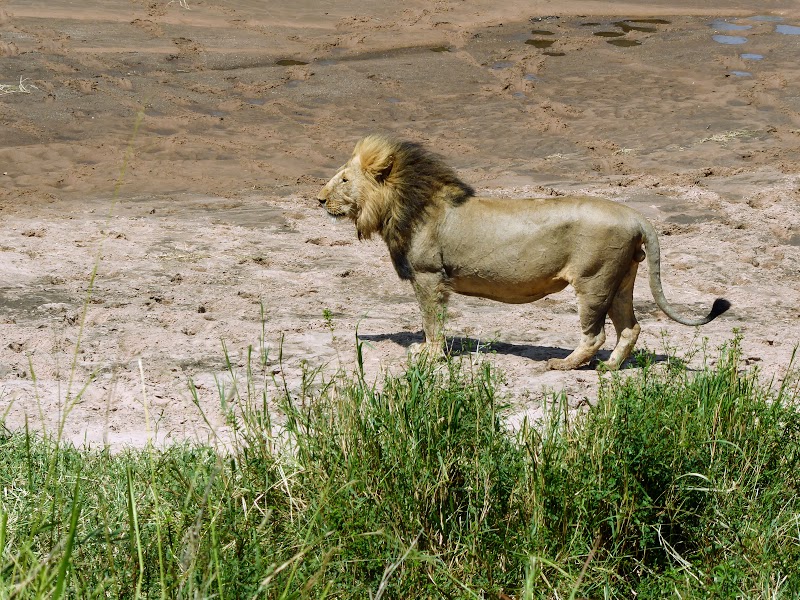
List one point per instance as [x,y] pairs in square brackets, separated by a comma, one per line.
[158,183]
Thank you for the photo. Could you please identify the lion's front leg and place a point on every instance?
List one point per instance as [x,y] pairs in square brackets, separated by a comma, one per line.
[432,296]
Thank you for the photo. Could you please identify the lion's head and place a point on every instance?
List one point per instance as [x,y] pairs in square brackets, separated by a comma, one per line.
[387,187]
[352,192]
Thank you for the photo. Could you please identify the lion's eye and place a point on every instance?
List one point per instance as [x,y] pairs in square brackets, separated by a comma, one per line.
[344,179]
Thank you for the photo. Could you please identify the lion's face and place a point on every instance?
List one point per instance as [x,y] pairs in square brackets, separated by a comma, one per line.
[357,191]
[340,196]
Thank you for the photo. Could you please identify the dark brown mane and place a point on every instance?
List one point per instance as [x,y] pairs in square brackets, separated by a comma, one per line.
[406,182]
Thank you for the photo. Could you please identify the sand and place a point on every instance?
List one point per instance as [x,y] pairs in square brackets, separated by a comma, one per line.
[160,164]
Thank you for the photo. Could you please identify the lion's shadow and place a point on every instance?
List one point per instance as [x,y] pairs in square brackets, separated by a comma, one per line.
[463,345]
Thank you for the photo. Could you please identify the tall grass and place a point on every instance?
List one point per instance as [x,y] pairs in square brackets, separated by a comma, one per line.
[675,483]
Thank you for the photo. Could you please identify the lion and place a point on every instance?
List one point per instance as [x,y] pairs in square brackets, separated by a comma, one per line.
[443,238]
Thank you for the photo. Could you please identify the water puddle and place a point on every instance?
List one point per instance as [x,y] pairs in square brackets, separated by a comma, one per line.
[741,74]
[254,217]
[211,112]
[612,31]
[624,43]
[627,27]
[690,219]
[788,29]
[290,62]
[15,300]
[441,49]
[501,64]
[531,77]
[255,101]
[540,43]
[733,40]
[651,21]
[729,39]
[722,25]
[162,131]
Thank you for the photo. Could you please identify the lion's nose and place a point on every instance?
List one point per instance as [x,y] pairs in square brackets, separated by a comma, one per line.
[322,201]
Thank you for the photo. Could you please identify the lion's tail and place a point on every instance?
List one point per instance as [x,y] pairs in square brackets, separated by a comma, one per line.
[653,253]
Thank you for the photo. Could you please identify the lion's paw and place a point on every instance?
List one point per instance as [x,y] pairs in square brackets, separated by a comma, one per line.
[426,349]
[607,365]
[560,364]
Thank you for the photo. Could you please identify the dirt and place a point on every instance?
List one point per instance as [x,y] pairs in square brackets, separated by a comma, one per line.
[160,162]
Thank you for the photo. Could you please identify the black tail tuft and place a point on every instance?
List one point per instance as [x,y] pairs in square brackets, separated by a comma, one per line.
[719,307]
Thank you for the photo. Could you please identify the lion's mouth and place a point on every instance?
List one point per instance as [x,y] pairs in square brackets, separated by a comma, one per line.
[339,216]
[335,214]
[335,208]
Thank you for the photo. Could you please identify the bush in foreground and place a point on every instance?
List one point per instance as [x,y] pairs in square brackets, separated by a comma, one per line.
[674,483]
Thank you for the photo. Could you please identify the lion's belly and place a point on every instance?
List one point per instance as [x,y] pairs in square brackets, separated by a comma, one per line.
[516,292]
[515,269]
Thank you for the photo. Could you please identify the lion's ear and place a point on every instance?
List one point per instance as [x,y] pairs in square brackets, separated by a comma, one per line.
[380,167]
[386,170]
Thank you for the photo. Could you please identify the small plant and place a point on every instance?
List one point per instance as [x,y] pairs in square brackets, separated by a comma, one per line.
[17,88]
[327,315]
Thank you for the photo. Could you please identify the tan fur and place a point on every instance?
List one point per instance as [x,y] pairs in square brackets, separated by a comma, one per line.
[442,238]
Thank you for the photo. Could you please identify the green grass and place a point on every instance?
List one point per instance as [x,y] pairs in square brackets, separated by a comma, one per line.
[674,484]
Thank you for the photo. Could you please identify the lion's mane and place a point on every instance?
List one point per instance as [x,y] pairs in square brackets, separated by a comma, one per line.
[402,183]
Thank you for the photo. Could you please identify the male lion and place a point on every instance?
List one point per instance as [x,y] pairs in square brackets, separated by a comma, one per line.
[442,238]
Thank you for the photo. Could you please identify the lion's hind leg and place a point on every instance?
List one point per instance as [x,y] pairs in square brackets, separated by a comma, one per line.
[624,320]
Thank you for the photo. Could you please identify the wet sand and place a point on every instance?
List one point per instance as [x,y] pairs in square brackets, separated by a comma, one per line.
[175,153]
